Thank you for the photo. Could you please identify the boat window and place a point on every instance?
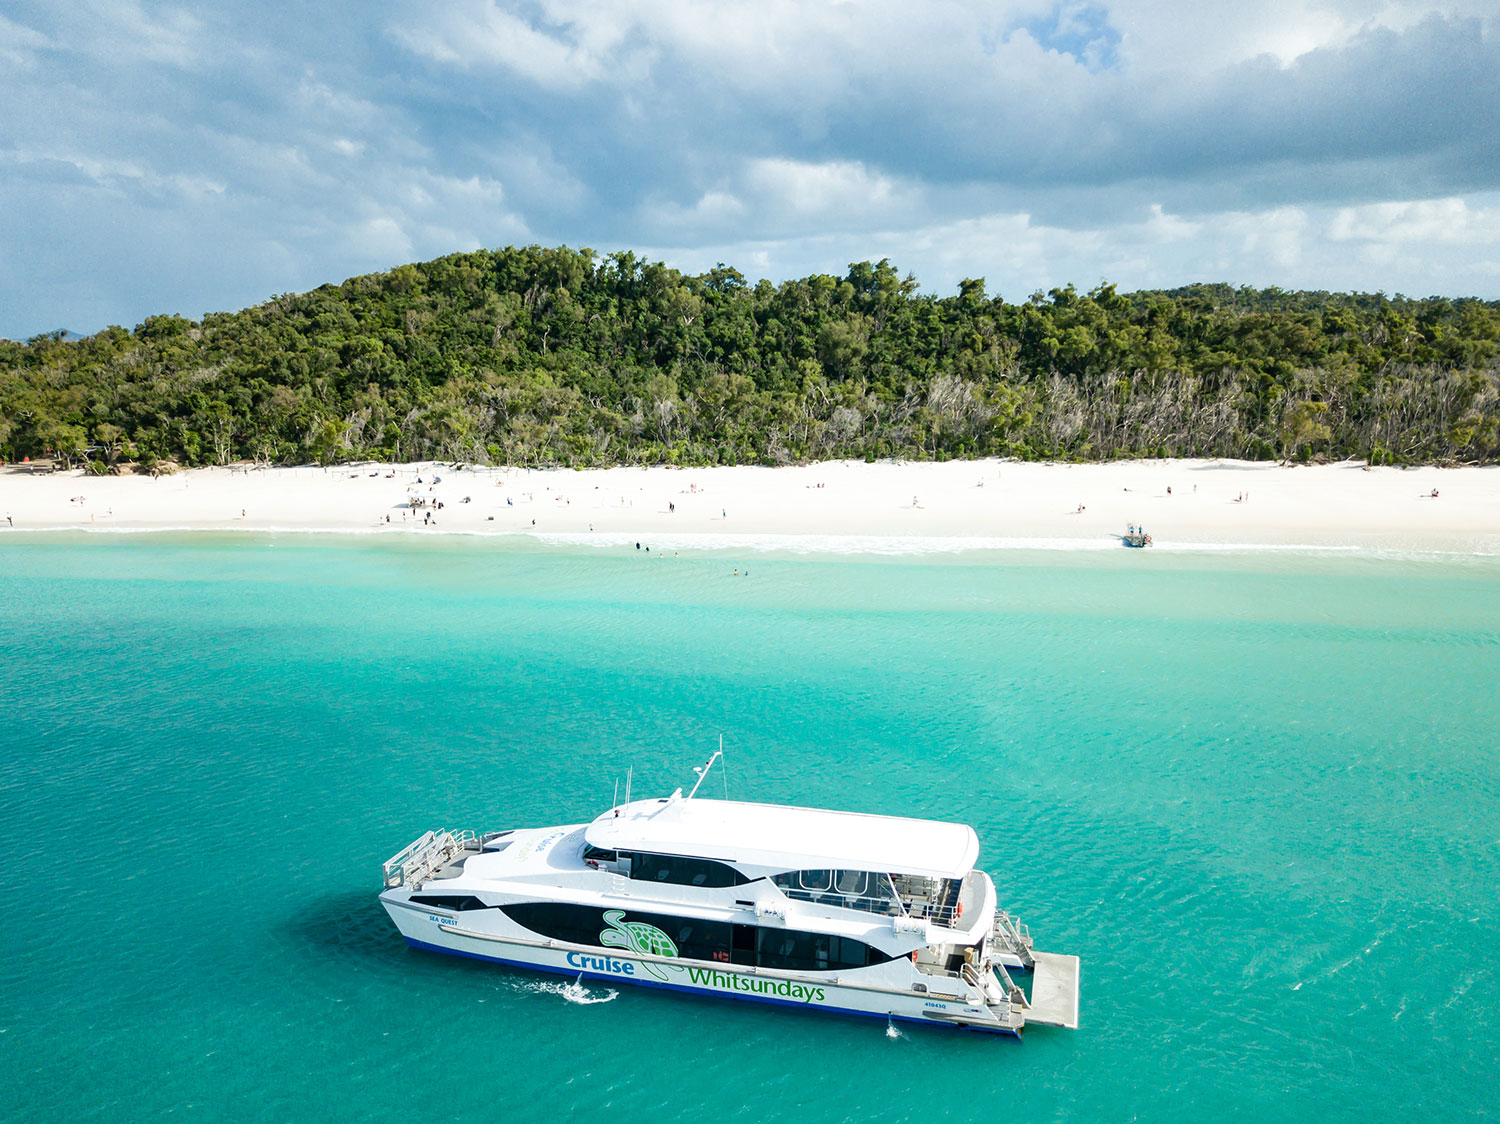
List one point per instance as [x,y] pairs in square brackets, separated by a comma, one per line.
[793,951]
[867,890]
[598,854]
[815,879]
[689,938]
[681,870]
[880,887]
[576,924]
[456,902]
[850,882]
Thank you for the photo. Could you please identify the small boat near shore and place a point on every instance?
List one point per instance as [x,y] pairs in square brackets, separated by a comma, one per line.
[835,911]
[1136,537]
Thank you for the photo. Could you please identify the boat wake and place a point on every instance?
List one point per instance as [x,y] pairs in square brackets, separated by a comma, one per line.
[576,992]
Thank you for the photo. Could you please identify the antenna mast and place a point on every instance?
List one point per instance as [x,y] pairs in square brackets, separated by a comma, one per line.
[702,770]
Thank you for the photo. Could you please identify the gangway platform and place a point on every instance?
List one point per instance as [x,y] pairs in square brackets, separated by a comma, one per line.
[1054,991]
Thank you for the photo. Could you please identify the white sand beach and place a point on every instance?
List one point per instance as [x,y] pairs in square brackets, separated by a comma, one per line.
[833,505]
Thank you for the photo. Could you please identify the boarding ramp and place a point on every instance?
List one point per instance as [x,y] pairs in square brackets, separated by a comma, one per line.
[1054,991]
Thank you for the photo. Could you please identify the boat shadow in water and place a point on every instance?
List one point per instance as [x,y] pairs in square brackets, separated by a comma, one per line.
[348,928]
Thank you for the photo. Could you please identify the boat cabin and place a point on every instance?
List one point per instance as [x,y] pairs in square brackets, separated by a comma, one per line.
[885,865]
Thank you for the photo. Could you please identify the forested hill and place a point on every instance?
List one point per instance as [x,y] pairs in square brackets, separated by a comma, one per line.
[542,356]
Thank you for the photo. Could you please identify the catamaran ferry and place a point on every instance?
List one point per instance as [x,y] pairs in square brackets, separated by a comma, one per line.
[863,914]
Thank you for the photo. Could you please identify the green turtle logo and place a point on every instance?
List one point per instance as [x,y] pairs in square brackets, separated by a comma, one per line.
[645,939]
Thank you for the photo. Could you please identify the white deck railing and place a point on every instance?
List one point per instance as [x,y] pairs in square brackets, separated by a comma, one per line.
[421,858]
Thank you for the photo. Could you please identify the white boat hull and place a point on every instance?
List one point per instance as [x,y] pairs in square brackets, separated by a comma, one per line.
[885,991]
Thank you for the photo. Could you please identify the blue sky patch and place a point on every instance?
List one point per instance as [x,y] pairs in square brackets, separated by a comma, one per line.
[1080,30]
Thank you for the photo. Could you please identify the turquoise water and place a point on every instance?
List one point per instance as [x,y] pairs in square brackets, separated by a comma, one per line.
[1258,795]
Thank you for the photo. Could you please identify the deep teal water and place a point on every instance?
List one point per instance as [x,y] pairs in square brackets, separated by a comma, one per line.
[1259,795]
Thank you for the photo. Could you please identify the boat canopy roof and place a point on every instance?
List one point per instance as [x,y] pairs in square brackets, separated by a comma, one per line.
[781,837]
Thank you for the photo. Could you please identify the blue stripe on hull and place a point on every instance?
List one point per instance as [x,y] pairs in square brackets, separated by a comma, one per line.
[709,992]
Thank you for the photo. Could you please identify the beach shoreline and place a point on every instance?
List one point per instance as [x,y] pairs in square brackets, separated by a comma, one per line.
[839,505]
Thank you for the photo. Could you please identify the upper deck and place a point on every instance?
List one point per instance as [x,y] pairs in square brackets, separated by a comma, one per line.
[780,837]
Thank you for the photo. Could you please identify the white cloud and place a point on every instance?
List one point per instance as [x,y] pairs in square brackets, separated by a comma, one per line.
[123,29]
[1276,235]
[1286,246]
[322,101]
[824,190]
[19,43]
[115,174]
[483,33]
[1440,221]
[1162,227]
[411,215]
[380,239]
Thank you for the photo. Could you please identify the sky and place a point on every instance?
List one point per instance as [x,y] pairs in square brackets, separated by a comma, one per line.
[163,158]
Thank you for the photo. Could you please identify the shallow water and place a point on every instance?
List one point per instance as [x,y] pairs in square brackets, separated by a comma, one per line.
[1258,795]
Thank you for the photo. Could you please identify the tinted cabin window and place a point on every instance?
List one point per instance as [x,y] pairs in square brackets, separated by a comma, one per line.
[458,902]
[585,924]
[598,854]
[792,951]
[679,870]
[786,949]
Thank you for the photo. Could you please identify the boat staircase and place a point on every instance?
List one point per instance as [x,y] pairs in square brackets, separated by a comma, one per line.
[427,857]
[1054,978]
